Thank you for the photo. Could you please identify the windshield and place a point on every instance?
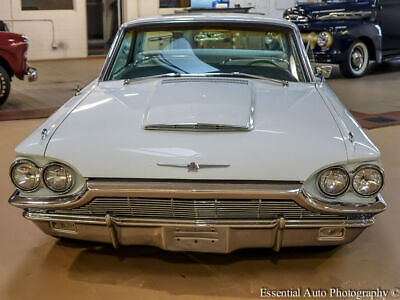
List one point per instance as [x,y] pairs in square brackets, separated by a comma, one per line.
[269,53]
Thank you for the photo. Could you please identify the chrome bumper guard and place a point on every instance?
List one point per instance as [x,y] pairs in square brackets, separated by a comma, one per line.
[32,74]
[219,236]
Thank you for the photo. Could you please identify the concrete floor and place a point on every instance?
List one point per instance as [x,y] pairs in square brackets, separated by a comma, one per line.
[35,266]
[377,92]
[55,85]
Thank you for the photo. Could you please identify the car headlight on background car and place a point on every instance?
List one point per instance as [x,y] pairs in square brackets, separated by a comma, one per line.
[324,39]
[58,178]
[367,181]
[334,181]
[25,175]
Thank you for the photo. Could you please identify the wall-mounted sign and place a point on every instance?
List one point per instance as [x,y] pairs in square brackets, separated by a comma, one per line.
[46,4]
[174,3]
[209,3]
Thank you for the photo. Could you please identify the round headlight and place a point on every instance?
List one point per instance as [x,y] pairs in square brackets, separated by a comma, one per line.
[324,39]
[334,181]
[368,181]
[25,175]
[58,178]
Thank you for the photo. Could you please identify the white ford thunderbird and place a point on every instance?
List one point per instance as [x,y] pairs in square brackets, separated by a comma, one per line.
[202,133]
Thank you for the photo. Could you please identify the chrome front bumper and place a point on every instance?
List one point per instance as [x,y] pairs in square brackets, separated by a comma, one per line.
[213,237]
[200,235]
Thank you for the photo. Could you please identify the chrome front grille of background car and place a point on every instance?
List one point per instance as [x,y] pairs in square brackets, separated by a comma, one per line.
[196,209]
[297,18]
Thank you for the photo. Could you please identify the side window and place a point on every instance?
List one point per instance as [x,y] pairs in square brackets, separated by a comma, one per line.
[124,53]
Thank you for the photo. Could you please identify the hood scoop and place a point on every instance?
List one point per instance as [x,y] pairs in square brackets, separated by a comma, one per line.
[201,104]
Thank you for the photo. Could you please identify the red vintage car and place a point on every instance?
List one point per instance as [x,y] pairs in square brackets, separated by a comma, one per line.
[13,60]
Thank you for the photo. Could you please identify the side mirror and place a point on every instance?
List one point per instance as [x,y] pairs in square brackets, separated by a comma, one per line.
[324,71]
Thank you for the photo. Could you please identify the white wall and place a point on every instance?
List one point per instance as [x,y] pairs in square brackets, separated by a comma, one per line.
[146,8]
[143,8]
[272,8]
[70,29]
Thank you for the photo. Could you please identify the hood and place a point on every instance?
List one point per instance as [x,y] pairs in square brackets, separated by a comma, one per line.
[331,10]
[294,133]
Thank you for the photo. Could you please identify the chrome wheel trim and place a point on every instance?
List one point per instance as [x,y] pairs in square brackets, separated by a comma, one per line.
[359,58]
[3,85]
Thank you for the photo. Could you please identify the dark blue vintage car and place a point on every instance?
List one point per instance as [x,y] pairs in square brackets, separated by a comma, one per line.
[350,32]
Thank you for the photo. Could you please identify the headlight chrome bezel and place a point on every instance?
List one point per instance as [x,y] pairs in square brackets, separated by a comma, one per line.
[351,175]
[333,168]
[41,173]
[68,169]
[377,168]
[25,161]
[325,36]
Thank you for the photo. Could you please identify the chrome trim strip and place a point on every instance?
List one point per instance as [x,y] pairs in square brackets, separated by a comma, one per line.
[317,205]
[202,127]
[112,53]
[345,15]
[47,202]
[281,223]
[198,190]
[304,56]
[234,76]
[192,166]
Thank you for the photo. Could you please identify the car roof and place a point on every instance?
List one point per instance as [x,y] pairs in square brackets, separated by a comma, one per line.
[237,18]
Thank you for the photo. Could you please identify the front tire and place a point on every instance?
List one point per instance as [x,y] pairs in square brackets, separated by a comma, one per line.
[356,62]
[4,85]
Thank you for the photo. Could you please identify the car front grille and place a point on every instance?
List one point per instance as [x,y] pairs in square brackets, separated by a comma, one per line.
[197,209]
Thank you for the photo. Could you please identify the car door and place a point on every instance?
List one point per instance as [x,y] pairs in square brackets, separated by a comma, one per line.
[389,21]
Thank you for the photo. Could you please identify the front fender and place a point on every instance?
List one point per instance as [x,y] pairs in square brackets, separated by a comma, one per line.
[344,34]
[12,50]
[370,33]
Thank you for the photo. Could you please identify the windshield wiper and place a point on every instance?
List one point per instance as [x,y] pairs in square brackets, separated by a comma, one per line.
[285,83]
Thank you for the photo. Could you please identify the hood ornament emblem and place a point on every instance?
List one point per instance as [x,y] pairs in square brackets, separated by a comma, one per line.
[193,166]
